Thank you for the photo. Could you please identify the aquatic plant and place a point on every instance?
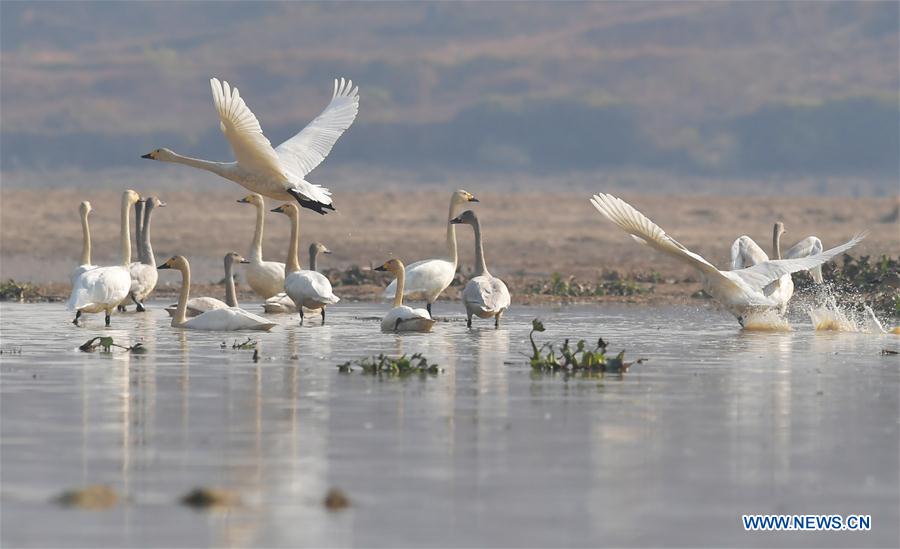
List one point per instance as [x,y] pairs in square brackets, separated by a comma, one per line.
[401,366]
[106,343]
[10,290]
[610,284]
[574,359]
[876,280]
[245,346]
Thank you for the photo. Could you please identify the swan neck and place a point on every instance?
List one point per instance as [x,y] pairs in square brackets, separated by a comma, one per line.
[139,228]
[480,267]
[125,232]
[85,240]
[293,260]
[776,243]
[230,293]
[181,311]
[256,246]
[313,259]
[451,233]
[217,168]
[401,282]
[146,250]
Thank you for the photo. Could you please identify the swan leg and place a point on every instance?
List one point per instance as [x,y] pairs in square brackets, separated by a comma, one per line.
[323,316]
[397,324]
[140,306]
[300,310]
[497,319]
[469,321]
[108,314]
[77,316]
[428,306]
[121,308]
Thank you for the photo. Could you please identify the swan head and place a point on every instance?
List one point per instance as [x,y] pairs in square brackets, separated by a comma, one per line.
[287,209]
[252,198]
[154,202]
[779,229]
[85,208]
[391,265]
[318,248]
[165,155]
[234,257]
[175,262]
[130,198]
[466,218]
[462,196]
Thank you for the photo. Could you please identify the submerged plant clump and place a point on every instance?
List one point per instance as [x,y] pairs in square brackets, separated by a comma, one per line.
[401,366]
[574,360]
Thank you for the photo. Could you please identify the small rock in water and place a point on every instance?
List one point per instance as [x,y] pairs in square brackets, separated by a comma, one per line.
[96,497]
[204,498]
[336,499]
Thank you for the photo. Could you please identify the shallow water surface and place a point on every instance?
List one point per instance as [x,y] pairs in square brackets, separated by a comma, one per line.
[718,423]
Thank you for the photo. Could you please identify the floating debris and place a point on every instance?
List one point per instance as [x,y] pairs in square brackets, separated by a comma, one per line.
[336,499]
[95,498]
[401,366]
[206,498]
[577,359]
[245,346]
[106,343]
[889,352]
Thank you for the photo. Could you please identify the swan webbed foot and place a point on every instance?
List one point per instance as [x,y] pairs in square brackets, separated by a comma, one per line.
[140,307]
[107,318]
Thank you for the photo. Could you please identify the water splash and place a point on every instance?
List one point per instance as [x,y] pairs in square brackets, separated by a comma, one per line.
[766,321]
[832,317]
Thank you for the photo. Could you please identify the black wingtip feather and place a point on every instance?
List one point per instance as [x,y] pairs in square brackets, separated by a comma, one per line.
[313,205]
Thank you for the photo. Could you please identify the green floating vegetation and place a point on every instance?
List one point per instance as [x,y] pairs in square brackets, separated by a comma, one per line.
[248,345]
[611,283]
[402,366]
[106,343]
[575,359]
[10,290]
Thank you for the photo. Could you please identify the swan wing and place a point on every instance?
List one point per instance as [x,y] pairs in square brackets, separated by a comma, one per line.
[100,286]
[746,253]
[811,245]
[300,154]
[229,319]
[427,275]
[758,276]
[646,232]
[487,292]
[309,285]
[252,149]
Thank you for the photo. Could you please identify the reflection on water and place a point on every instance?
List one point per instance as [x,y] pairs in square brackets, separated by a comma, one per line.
[719,422]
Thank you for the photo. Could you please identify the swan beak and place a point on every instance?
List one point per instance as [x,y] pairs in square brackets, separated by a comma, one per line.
[161,204]
[148,155]
[279,209]
[163,266]
[326,252]
[456,221]
[242,201]
[473,199]
[379,268]
[246,261]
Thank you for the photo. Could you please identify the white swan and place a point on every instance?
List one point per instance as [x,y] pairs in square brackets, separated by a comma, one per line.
[84,209]
[265,277]
[485,295]
[102,288]
[227,320]
[430,277]
[305,288]
[403,318]
[740,291]
[282,303]
[280,172]
[143,272]
[746,253]
[198,305]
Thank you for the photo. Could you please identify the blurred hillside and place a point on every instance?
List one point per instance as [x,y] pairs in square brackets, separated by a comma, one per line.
[710,95]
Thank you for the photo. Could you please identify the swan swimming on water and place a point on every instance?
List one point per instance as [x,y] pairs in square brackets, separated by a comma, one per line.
[198,305]
[485,295]
[306,288]
[278,172]
[430,277]
[741,291]
[402,318]
[228,319]
[747,253]
[103,288]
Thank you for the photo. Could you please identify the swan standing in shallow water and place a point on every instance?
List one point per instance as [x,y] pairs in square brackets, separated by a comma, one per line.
[740,291]
[198,305]
[229,319]
[84,209]
[485,295]
[746,253]
[431,277]
[281,303]
[305,288]
[265,277]
[403,318]
[280,172]
[102,288]
[143,272]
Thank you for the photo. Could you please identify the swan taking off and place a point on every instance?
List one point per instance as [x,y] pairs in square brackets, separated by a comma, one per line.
[102,288]
[741,291]
[747,253]
[198,305]
[485,295]
[278,172]
[431,277]
[305,288]
[265,277]
[228,319]
[403,318]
